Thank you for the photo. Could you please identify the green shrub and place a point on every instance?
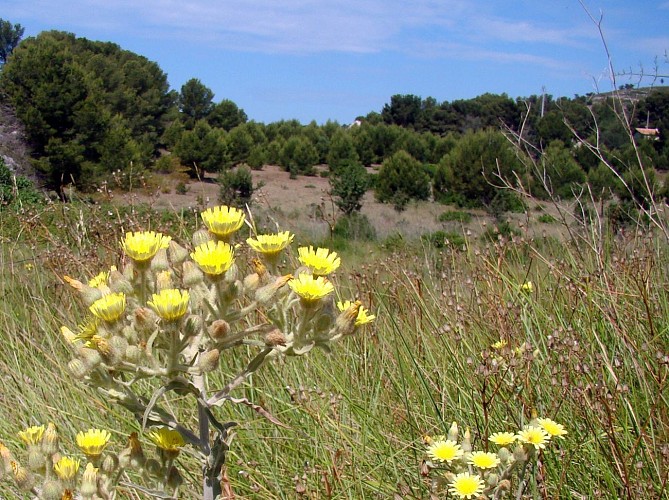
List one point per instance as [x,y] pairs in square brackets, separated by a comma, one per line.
[354,226]
[546,219]
[400,179]
[455,216]
[443,239]
[236,186]
[348,186]
[502,228]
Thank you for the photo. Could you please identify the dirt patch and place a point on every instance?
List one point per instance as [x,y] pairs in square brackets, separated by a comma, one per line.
[304,205]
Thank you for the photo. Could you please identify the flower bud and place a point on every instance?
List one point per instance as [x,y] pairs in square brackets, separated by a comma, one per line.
[251,283]
[117,349]
[109,464]
[504,485]
[191,274]
[200,237]
[176,252]
[89,481]
[208,360]
[50,440]
[118,283]
[153,468]
[504,455]
[23,479]
[467,441]
[275,338]
[133,354]
[492,479]
[145,319]
[52,489]
[174,479]
[133,455]
[78,368]
[159,261]
[345,322]
[219,329]
[90,357]
[36,459]
[267,292]
[6,457]
[520,454]
[164,281]
[453,432]
[193,325]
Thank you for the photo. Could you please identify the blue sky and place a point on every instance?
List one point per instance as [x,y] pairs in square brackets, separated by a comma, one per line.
[327,59]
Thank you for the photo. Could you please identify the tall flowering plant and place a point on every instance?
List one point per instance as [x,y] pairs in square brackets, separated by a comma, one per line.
[161,324]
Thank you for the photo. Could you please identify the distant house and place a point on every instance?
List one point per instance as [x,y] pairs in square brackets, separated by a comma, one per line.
[652,134]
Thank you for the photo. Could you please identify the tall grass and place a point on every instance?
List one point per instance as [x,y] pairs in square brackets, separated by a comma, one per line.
[587,347]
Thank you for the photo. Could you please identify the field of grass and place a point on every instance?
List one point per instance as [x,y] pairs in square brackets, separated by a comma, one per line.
[588,347]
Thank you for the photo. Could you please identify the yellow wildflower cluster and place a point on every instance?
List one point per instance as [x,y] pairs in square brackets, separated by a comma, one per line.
[167,315]
[486,474]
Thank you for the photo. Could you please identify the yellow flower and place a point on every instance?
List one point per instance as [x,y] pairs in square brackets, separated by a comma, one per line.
[466,485]
[32,435]
[444,451]
[223,221]
[484,460]
[66,468]
[270,244]
[321,261]
[534,436]
[142,246]
[110,307]
[167,439]
[214,258]
[93,441]
[99,281]
[89,481]
[552,428]
[363,314]
[311,289]
[170,304]
[503,438]
[527,287]
[499,344]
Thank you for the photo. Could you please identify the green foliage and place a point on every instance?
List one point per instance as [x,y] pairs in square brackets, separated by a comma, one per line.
[15,189]
[195,102]
[349,184]
[202,149]
[341,150]
[546,219]
[602,182]
[75,97]
[455,216]
[226,115]
[502,229]
[10,36]
[401,179]
[298,156]
[236,186]
[466,175]
[354,226]
[444,239]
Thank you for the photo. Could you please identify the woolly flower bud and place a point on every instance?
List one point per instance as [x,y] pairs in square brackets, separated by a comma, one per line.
[118,283]
[275,338]
[208,360]
[24,480]
[50,439]
[453,432]
[89,481]
[145,318]
[174,479]
[164,280]
[467,441]
[504,485]
[36,459]
[345,322]
[90,357]
[267,292]
[52,490]
[193,325]
[109,464]
[218,329]
[159,262]
[191,274]
[520,454]
[492,479]
[133,354]
[176,252]
[89,294]
[78,368]
[132,455]
[251,283]
[504,455]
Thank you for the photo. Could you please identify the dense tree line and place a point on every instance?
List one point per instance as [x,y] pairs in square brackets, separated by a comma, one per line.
[91,108]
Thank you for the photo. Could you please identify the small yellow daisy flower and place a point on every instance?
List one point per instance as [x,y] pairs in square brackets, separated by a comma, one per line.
[110,307]
[503,438]
[499,344]
[66,468]
[484,460]
[363,314]
[93,441]
[31,435]
[444,451]
[142,246]
[466,485]
[311,289]
[223,221]
[321,261]
[270,245]
[99,281]
[527,287]
[214,258]
[170,304]
[552,428]
[534,436]
[167,439]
